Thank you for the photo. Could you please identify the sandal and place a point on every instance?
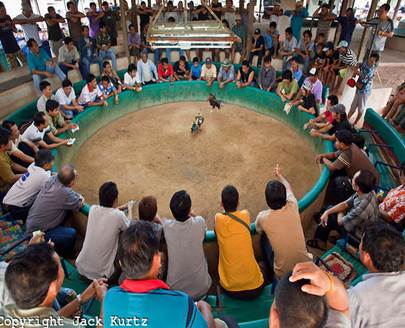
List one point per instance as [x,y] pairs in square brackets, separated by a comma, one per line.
[314,243]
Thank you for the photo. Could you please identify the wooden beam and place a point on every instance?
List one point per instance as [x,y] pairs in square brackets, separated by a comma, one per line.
[398,5]
[251,18]
[124,28]
[370,15]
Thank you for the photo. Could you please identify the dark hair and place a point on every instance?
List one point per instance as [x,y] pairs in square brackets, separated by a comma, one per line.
[66,83]
[287,75]
[298,309]
[366,181]
[196,60]
[402,168]
[101,25]
[50,8]
[131,67]
[51,105]
[105,78]
[90,78]
[147,208]
[273,24]
[131,25]
[8,124]
[288,30]
[375,55]
[350,9]
[245,63]
[43,85]
[321,34]
[308,32]
[107,194]
[359,140]
[267,59]
[164,60]
[39,118]
[386,247]
[171,19]
[180,205]
[92,4]
[230,198]
[69,4]
[29,275]
[83,27]
[67,40]
[276,194]
[138,245]
[334,100]
[386,7]
[4,136]
[106,63]
[66,174]
[344,136]
[43,157]
[104,3]
[182,58]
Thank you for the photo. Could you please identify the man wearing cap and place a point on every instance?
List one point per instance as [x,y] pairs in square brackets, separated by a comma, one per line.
[226,74]
[316,85]
[297,18]
[240,30]
[208,72]
[325,19]
[257,47]
[308,102]
[347,60]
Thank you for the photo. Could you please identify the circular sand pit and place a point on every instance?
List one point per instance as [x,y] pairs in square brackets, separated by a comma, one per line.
[152,152]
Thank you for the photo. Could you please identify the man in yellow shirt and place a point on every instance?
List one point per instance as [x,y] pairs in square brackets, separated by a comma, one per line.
[239,273]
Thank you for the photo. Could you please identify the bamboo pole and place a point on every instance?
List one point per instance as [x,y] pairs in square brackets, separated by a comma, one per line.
[124,28]
[370,15]
[251,18]
[398,5]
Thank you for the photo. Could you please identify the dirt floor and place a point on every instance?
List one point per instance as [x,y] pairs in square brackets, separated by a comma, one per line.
[152,152]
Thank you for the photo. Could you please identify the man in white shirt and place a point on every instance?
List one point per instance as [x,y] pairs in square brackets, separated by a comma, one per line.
[147,71]
[66,97]
[28,21]
[22,194]
[209,72]
[46,94]
[91,94]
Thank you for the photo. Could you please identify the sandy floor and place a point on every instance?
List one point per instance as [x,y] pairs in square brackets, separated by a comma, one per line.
[153,152]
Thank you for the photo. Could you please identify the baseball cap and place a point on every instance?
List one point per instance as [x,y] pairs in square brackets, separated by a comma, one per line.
[312,71]
[339,108]
[257,31]
[329,45]
[226,63]
[306,85]
[208,60]
[343,44]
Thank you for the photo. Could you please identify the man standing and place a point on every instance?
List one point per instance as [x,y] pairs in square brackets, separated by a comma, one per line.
[94,16]
[348,23]
[325,19]
[109,20]
[297,19]
[28,21]
[55,34]
[73,17]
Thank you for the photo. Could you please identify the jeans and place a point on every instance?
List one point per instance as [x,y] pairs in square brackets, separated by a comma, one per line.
[51,69]
[85,63]
[64,239]
[19,213]
[110,53]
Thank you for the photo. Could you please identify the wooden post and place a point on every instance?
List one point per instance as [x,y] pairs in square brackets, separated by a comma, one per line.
[150,3]
[370,15]
[124,28]
[398,5]
[251,18]
[100,2]
[134,15]
[345,5]
[241,6]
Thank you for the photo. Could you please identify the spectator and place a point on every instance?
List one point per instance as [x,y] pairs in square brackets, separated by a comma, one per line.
[229,13]
[245,76]
[239,273]
[326,117]
[181,69]
[56,123]
[144,13]
[352,215]
[91,95]
[38,130]
[88,53]
[147,209]
[297,19]
[348,23]
[208,72]
[307,103]
[55,34]
[268,43]
[73,17]
[165,71]
[9,172]
[22,194]
[226,74]
[304,50]
[7,38]
[257,47]
[276,12]
[267,75]
[94,16]
[134,43]
[385,28]
[296,70]
[280,220]
[240,30]
[216,7]
[109,21]
[131,79]
[108,89]
[275,34]
[325,19]
[330,65]
[189,253]
[363,86]
[316,84]
[112,76]
[41,65]
[147,71]
[104,43]
[348,157]
[98,257]
[392,109]
[49,210]
[195,70]
[66,97]
[288,46]
[287,89]
[28,22]
[69,57]
[328,131]
[34,278]
[142,292]
[347,60]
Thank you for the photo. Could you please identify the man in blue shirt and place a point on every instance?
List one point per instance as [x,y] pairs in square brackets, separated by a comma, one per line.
[41,65]
[297,19]
[195,70]
[144,297]
[348,23]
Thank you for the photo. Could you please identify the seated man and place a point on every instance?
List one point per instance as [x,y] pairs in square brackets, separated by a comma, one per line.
[316,85]
[195,71]
[91,94]
[112,76]
[22,194]
[9,172]
[258,47]
[304,50]
[134,43]
[88,53]
[181,69]
[282,219]
[108,89]
[142,294]
[208,72]
[103,41]
[307,102]
[347,60]
[66,97]
[245,76]
[41,65]
[396,102]
[226,74]
[296,70]
[131,79]
[288,46]
[34,278]
[55,125]
[287,89]
[267,75]
[352,215]
[97,259]
[326,117]
[239,273]
[165,71]
[147,71]
[38,130]
[46,94]
[189,253]
[68,57]
[49,210]
[147,210]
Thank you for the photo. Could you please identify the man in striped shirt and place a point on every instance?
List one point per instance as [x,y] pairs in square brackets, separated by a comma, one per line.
[347,60]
